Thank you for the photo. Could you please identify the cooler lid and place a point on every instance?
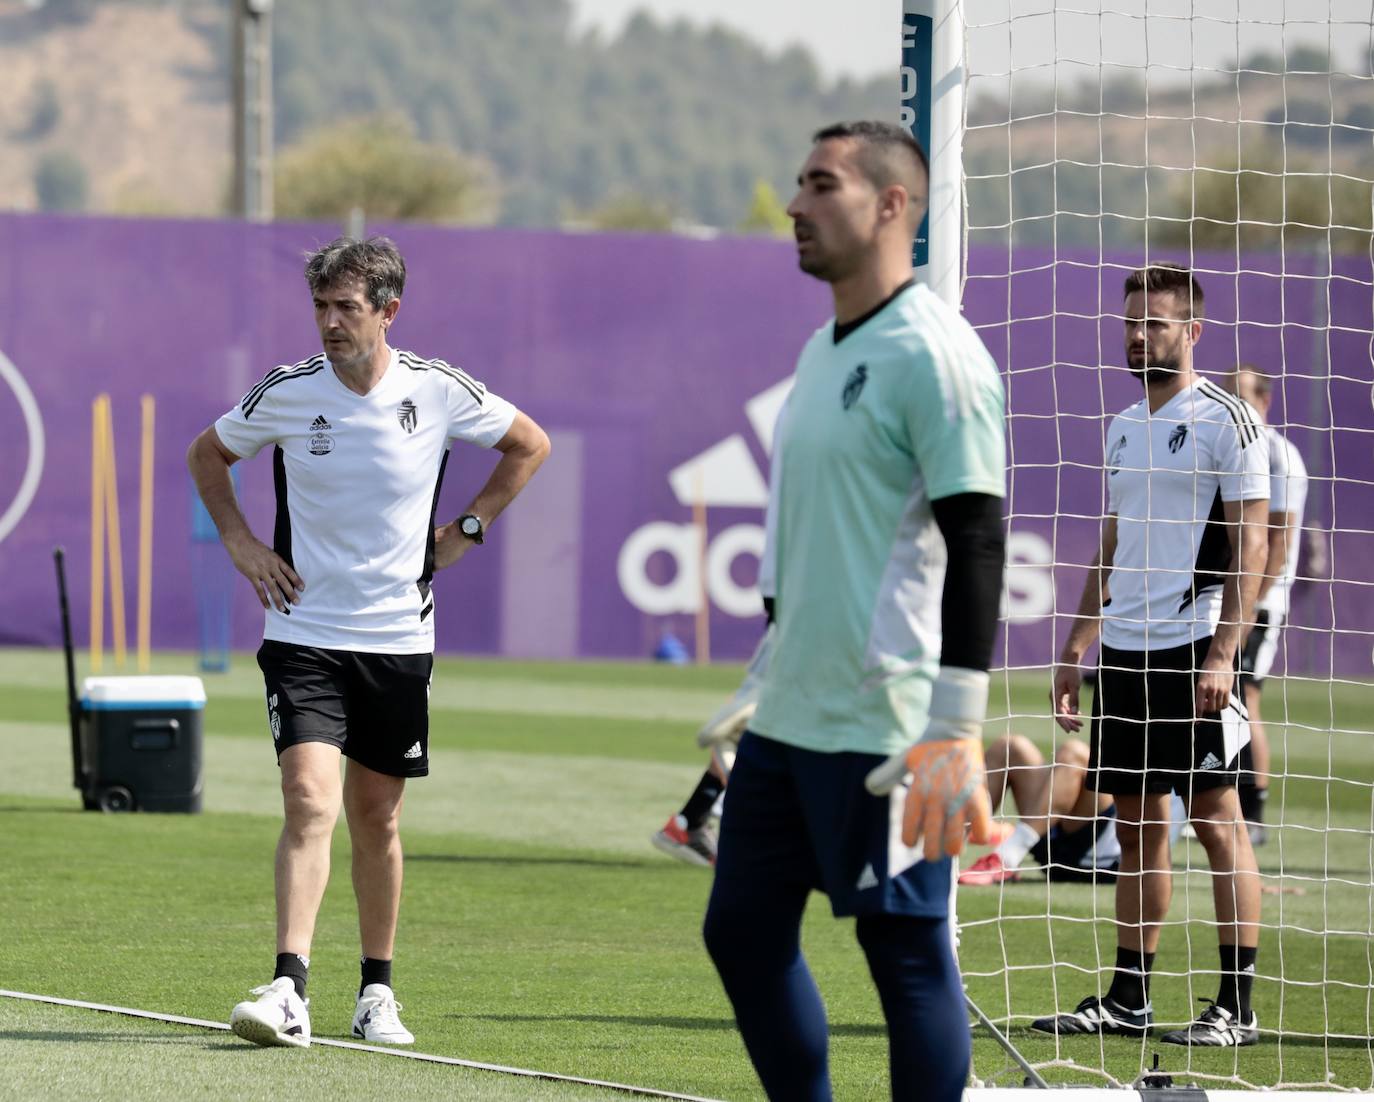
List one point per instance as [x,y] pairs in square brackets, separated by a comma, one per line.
[111,693]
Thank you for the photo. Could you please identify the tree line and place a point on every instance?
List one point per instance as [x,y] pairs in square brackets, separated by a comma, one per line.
[502,111]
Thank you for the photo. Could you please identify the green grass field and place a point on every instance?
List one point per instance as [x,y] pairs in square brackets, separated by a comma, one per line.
[540,930]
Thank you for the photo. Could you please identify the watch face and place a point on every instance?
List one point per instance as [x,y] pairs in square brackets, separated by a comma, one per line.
[471,526]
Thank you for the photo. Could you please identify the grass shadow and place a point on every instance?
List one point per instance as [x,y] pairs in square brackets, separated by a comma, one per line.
[36,809]
[723,1025]
[80,1036]
[485,859]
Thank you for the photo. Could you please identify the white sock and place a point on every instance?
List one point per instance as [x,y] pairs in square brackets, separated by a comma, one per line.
[1015,848]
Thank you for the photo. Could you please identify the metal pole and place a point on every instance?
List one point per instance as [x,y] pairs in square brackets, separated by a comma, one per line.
[1320,435]
[1033,1077]
[252,76]
[73,705]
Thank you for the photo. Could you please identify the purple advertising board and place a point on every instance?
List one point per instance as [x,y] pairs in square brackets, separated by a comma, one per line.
[656,364]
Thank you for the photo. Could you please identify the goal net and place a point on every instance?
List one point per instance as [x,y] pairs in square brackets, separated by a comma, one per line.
[1235,137]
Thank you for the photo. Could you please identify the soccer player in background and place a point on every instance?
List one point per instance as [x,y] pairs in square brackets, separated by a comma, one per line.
[1063,826]
[360,439]
[1182,551]
[1067,830]
[888,487]
[1287,496]
[688,835]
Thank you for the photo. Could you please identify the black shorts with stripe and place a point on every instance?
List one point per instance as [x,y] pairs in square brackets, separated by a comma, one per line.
[1145,738]
[373,707]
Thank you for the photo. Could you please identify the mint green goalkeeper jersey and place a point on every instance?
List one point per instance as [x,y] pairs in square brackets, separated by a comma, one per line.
[905,409]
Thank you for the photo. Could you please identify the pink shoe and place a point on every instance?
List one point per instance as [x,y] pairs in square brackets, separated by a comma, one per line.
[986,871]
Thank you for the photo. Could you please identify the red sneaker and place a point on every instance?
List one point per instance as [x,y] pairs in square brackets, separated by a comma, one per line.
[696,847]
[986,871]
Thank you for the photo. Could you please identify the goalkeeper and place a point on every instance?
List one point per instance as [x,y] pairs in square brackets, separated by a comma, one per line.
[891,467]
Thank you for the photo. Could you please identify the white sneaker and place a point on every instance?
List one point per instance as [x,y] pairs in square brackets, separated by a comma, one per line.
[375,1018]
[278,1016]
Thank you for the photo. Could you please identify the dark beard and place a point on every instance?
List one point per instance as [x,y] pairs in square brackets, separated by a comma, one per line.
[1161,371]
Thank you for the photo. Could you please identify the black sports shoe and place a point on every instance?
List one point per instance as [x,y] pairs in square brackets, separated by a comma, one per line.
[1099,1015]
[1216,1027]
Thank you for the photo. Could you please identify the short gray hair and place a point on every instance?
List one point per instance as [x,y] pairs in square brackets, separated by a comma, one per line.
[376,263]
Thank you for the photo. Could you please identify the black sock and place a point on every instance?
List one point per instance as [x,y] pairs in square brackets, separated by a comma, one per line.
[1131,981]
[1252,800]
[1237,979]
[296,967]
[699,804]
[375,971]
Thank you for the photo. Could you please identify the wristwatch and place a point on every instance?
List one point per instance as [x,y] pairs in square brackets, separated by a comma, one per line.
[471,526]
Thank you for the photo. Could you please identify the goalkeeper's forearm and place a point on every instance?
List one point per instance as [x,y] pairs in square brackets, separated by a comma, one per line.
[972,527]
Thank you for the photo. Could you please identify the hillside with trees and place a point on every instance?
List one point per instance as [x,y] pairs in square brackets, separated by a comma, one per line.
[501,111]
[671,116]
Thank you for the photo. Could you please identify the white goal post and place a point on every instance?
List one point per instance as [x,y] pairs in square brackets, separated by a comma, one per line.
[1071,143]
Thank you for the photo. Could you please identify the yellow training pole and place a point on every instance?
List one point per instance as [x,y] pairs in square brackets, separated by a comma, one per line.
[119,635]
[97,644]
[703,624]
[145,538]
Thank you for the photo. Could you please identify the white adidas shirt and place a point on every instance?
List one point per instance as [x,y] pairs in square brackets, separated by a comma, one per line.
[1287,494]
[357,481]
[1168,473]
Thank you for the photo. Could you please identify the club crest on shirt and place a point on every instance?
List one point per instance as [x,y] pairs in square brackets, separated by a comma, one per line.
[407,414]
[854,385]
[1177,437]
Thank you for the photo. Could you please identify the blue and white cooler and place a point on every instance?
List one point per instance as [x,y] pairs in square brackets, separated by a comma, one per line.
[141,743]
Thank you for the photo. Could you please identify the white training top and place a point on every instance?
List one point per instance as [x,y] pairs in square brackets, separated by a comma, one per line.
[1287,494]
[357,481]
[1167,476]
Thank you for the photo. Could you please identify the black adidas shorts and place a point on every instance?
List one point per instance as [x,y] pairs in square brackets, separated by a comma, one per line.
[1144,737]
[373,707]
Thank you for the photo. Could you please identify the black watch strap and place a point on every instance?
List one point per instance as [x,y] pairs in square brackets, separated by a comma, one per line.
[470,525]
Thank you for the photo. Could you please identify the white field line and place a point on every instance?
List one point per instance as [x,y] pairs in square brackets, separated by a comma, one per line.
[647,1092]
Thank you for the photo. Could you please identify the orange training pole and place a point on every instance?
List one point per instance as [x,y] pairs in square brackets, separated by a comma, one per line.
[145,537]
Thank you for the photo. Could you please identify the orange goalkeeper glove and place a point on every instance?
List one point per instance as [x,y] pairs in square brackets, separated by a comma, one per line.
[948,796]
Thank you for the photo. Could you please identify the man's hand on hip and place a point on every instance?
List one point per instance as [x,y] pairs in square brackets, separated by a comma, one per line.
[275,583]
[450,545]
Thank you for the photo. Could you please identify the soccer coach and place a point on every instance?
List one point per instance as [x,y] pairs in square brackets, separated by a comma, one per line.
[360,439]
